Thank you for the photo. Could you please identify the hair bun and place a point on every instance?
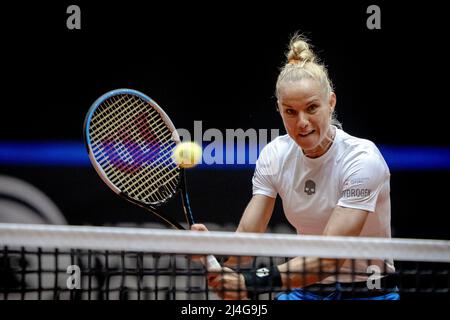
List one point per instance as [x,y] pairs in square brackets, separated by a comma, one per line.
[300,51]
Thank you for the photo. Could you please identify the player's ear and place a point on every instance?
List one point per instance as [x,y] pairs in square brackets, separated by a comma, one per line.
[332,101]
[277,105]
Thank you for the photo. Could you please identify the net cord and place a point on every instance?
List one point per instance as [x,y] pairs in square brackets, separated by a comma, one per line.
[222,243]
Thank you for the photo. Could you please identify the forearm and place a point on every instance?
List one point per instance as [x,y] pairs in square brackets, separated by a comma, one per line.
[246,225]
[251,224]
[256,215]
[300,272]
[255,219]
[238,261]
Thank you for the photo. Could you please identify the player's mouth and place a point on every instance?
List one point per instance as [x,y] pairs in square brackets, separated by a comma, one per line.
[305,134]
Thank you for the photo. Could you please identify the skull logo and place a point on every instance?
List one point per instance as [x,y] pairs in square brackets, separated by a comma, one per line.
[310,187]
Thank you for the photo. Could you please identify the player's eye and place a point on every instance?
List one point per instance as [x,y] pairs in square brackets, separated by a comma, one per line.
[290,112]
[312,108]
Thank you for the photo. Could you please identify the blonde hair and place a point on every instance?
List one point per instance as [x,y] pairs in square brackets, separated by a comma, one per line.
[303,63]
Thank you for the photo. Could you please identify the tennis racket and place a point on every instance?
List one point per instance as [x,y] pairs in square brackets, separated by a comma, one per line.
[130,140]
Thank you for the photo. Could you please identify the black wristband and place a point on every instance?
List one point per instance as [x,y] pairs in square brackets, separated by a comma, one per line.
[262,280]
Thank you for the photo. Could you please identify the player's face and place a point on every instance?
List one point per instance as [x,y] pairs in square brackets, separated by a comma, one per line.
[306,113]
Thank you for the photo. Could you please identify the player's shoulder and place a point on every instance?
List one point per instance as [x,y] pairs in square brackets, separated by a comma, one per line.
[280,145]
[355,149]
[277,150]
[356,145]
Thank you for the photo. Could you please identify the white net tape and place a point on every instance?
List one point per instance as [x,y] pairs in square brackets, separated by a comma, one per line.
[222,243]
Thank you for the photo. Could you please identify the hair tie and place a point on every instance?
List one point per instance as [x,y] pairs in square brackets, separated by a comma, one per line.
[297,61]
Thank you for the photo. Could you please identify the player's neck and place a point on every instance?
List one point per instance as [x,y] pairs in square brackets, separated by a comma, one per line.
[324,146]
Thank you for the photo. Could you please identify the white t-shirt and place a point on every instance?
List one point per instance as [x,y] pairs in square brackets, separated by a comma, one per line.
[352,174]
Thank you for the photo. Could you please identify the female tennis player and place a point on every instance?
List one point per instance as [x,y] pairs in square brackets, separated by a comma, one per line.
[330,183]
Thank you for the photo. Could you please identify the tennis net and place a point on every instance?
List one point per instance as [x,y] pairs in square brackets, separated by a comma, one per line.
[108,263]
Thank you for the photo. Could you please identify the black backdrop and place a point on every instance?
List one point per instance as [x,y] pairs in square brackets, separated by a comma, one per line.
[218,63]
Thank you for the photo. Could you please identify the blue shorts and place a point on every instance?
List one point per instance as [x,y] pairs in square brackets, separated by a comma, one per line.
[338,294]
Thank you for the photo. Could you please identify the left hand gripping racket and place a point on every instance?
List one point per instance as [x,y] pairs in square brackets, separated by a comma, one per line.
[130,140]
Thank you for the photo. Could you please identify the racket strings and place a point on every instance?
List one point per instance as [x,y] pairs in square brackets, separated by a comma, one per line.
[141,185]
[109,131]
[131,151]
[105,112]
[155,185]
[160,127]
[108,127]
[101,109]
[126,116]
[168,176]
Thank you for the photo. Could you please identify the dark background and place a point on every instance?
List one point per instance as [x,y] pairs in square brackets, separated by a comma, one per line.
[218,63]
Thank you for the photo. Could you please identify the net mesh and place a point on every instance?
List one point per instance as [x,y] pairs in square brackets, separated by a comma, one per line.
[101,263]
[129,136]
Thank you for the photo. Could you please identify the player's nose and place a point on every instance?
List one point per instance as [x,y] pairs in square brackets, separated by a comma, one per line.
[302,120]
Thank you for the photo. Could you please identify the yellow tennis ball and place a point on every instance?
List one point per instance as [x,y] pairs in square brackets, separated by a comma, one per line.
[187,154]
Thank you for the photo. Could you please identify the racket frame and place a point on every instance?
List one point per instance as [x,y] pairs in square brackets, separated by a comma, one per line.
[153,208]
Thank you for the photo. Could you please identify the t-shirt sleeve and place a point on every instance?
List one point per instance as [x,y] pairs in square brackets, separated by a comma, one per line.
[363,180]
[267,167]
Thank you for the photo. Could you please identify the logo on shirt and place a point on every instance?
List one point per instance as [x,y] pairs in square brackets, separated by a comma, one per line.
[356,193]
[356,181]
[310,187]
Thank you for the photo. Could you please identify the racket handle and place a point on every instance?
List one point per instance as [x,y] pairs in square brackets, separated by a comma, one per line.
[211,263]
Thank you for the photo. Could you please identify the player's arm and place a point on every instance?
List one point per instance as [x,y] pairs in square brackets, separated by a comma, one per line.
[257,214]
[256,217]
[343,222]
